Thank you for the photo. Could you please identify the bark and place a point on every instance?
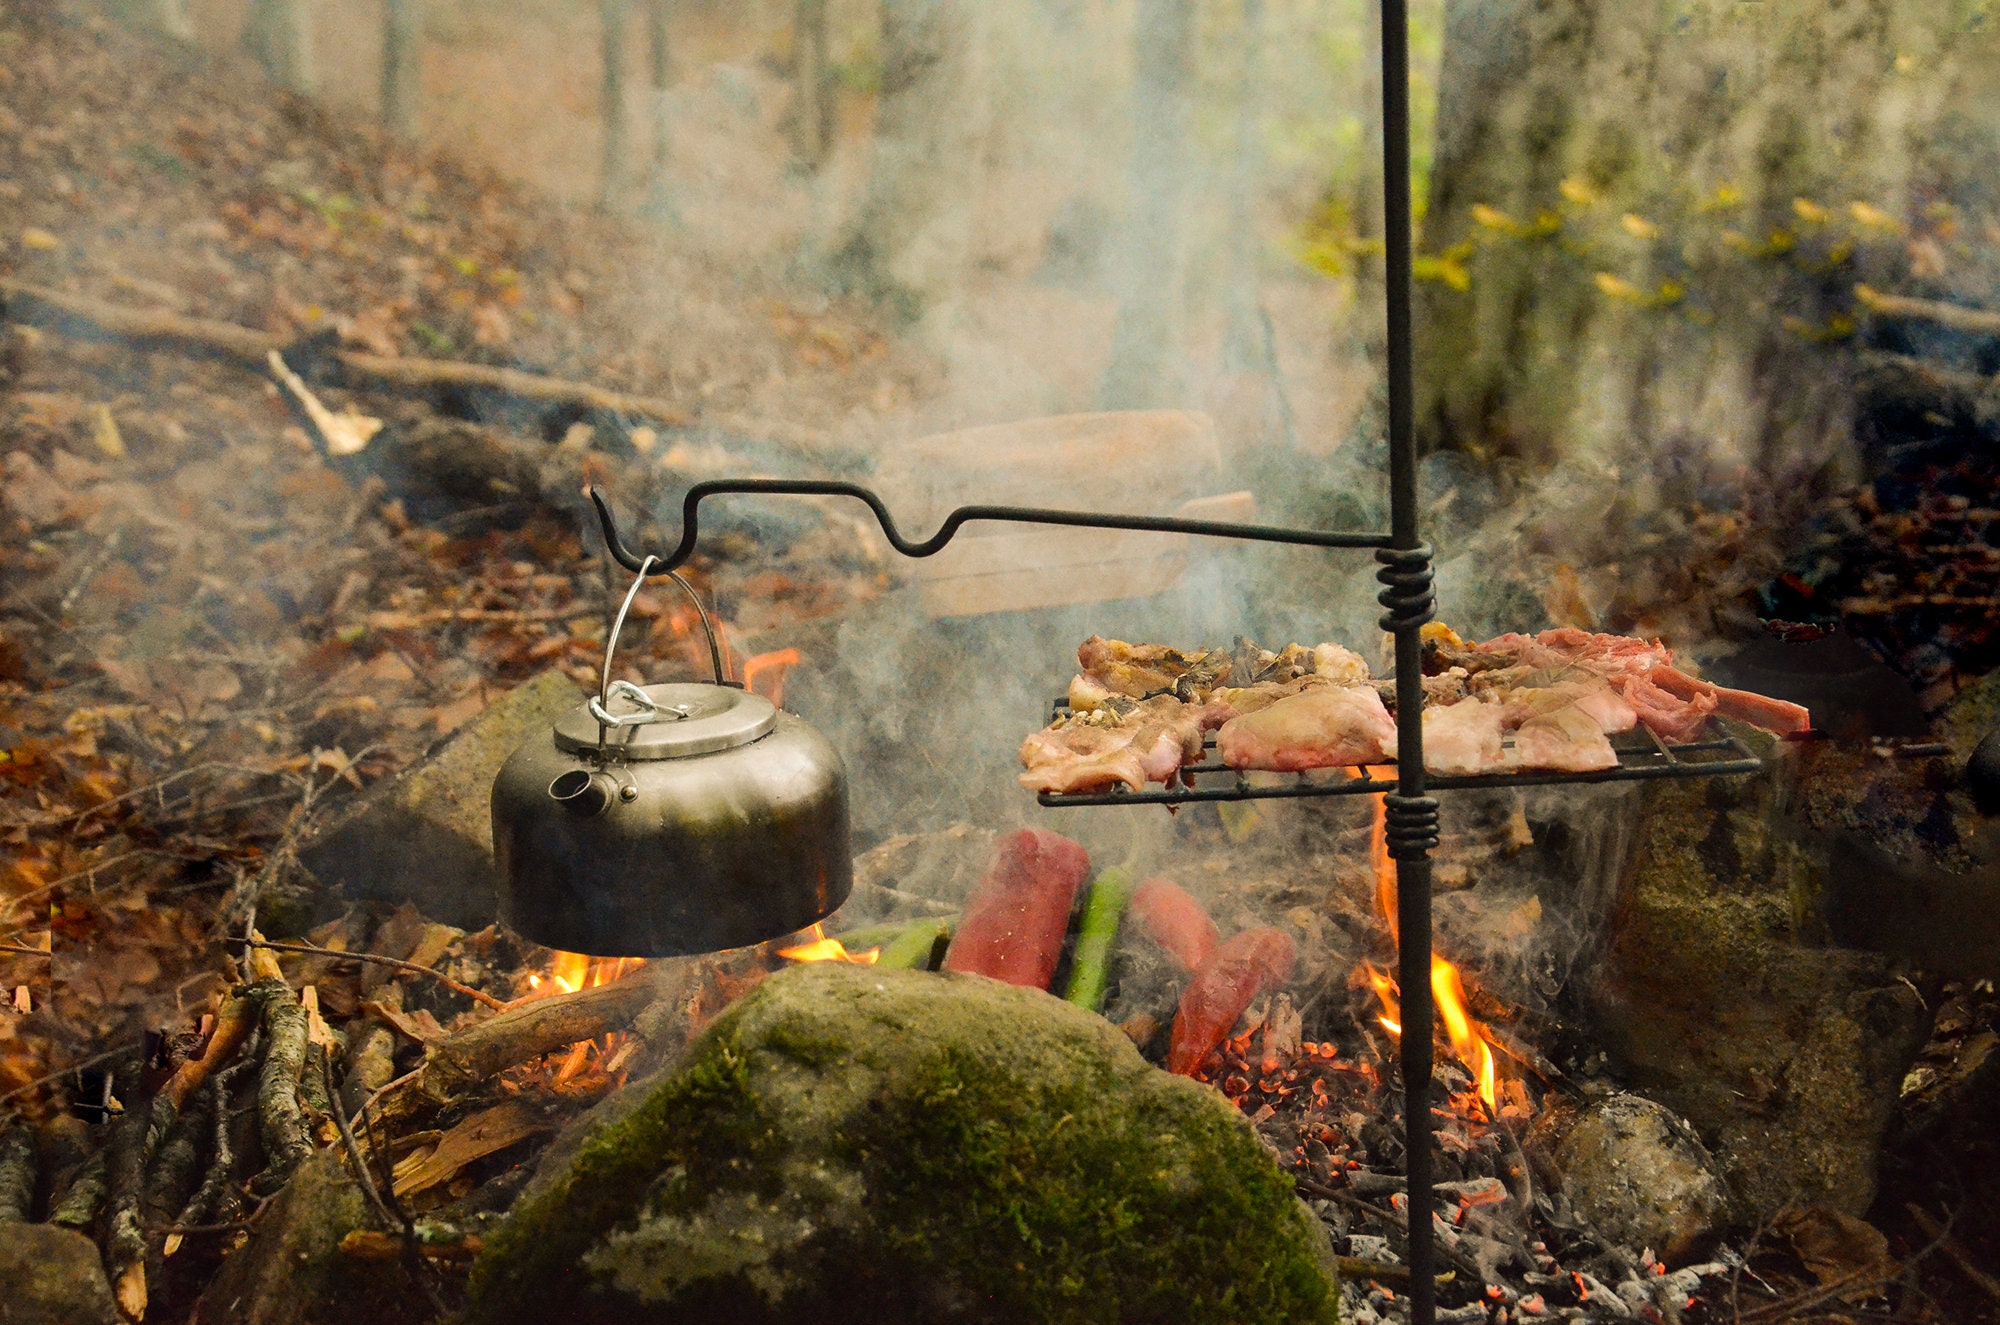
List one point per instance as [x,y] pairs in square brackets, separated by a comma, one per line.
[402,65]
[1146,344]
[812,113]
[279,34]
[18,1174]
[1632,165]
[281,1121]
[79,1205]
[616,169]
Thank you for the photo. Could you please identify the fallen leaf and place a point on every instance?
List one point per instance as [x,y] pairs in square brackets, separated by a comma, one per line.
[104,432]
[34,237]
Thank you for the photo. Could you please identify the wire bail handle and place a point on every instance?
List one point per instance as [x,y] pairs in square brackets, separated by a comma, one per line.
[599,704]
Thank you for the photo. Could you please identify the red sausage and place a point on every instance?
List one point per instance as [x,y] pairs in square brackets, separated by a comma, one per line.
[1254,960]
[1175,921]
[1014,924]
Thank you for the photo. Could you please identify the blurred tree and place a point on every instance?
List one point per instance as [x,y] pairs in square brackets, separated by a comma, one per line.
[660,70]
[911,243]
[1146,344]
[1646,220]
[616,170]
[402,65]
[813,106]
[279,35]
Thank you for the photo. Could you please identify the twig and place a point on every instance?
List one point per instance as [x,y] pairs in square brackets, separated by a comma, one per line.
[393,620]
[20,951]
[307,949]
[279,1116]
[1956,316]
[412,1254]
[96,564]
[1949,1245]
[84,873]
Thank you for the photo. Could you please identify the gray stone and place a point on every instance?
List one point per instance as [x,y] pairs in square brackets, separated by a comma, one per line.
[1718,995]
[426,836]
[1639,1176]
[292,1272]
[52,1276]
[888,1146]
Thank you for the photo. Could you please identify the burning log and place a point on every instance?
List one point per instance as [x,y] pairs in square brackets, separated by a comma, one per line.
[1014,924]
[1102,912]
[527,1030]
[1249,963]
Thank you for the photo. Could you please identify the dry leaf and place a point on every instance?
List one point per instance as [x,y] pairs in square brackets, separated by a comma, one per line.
[104,432]
[1839,1248]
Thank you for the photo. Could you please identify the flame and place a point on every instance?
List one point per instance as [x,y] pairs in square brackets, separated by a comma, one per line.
[1469,1041]
[824,949]
[572,971]
[776,663]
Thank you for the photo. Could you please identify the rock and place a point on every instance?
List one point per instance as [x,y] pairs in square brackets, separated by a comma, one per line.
[292,1272]
[53,1277]
[849,1144]
[1718,996]
[1640,1177]
[426,837]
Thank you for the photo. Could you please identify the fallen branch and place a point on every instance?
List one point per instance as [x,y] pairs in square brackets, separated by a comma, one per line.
[66,311]
[1978,321]
[280,1119]
[125,1174]
[477,995]
[17,1174]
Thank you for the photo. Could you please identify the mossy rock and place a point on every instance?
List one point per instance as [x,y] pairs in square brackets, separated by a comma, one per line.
[852,1144]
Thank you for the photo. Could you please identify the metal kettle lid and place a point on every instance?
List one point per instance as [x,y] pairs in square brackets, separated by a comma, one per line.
[686,718]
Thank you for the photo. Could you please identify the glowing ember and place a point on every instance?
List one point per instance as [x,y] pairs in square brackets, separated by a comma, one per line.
[823,949]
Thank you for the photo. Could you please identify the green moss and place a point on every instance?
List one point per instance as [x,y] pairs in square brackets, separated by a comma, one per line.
[849,1144]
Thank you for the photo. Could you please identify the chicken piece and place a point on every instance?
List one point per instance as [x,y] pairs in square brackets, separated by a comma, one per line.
[1778,716]
[1144,670]
[1324,727]
[1591,693]
[1253,961]
[1463,738]
[1015,921]
[1566,739]
[1149,743]
[1669,716]
[1254,665]
[1168,916]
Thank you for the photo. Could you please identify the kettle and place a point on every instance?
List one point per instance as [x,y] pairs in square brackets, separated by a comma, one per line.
[668,820]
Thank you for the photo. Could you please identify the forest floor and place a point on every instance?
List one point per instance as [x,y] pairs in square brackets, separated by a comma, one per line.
[205,626]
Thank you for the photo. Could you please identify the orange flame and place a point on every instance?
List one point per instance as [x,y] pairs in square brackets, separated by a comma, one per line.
[1469,1041]
[824,949]
[571,971]
[776,663]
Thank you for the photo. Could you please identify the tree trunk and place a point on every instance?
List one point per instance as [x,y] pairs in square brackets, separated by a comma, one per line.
[1146,343]
[617,137]
[812,114]
[912,243]
[279,35]
[1662,214]
[660,70]
[402,65]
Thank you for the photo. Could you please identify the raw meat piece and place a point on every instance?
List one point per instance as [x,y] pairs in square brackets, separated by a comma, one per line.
[1014,923]
[1567,739]
[1671,717]
[1175,921]
[1149,743]
[1591,693]
[1324,727]
[1255,960]
[1773,715]
[1463,738]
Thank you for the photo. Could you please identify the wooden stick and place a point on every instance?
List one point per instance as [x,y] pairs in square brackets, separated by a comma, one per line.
[281,1120]
[70,311]
[17,1174]
[238,1015]
[1979,321]
[1949,1245]
[476,995]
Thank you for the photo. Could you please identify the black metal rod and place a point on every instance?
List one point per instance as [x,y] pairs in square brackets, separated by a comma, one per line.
[1257,533]
[1413,866]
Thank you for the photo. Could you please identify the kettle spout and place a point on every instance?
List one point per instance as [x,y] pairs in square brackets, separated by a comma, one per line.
[583,793]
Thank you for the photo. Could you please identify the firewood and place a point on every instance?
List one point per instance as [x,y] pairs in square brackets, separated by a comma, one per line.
[124,1240]
[232,1026]
[17,1174]
[525,1031]
[79,1205]
[281,1121]
[221,1175]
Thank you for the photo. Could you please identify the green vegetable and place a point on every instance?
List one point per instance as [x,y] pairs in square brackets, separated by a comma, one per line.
[1110,892]
[911,950]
